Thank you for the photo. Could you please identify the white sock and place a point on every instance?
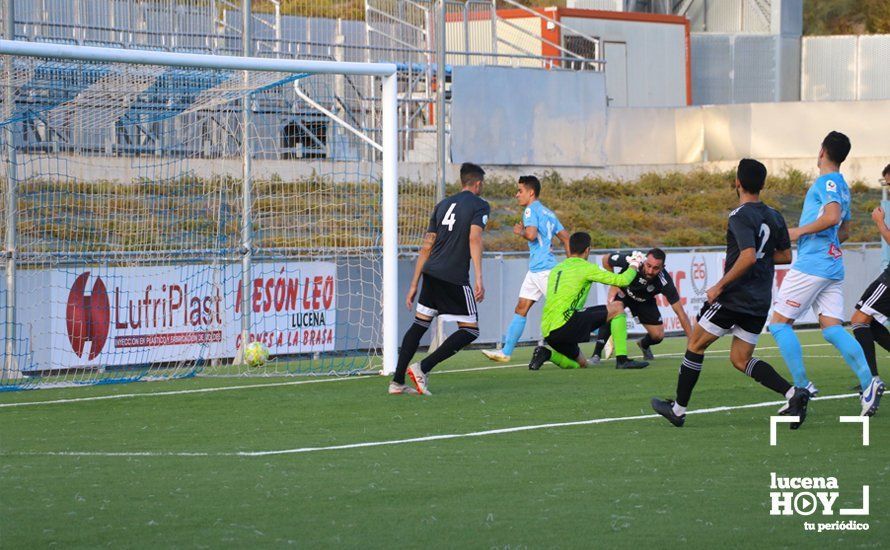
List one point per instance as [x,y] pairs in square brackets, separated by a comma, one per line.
[678,410]
[790,393]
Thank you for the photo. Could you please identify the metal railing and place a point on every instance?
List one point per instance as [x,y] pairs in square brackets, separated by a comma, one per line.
[401,31]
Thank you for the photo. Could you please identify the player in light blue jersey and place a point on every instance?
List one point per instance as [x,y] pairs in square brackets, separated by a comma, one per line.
[539,226]
[815,280]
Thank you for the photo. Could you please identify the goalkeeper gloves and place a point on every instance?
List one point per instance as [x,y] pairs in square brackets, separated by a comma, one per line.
[636,259]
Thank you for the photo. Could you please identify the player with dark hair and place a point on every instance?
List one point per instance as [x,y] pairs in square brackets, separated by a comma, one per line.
[564,324]
[756,240]
[538,227]
[453,237]
[816,278]
[639,298]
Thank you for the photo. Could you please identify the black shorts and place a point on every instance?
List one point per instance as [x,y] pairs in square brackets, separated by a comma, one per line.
[647,313]
[577,330]
[452,302]
[875,300]
[717,320]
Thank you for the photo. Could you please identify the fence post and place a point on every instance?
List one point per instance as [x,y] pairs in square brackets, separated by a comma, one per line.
[500,298]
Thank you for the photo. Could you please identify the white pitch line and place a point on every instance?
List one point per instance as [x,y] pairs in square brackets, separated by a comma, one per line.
[228,388]
[424,439]
[284,384]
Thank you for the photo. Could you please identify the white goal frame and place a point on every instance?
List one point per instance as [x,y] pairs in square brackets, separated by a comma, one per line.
[388,147]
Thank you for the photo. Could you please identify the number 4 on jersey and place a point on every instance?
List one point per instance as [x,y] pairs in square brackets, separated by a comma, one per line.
[450,217]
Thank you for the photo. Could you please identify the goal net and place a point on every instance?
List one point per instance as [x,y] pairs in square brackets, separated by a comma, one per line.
[160,210]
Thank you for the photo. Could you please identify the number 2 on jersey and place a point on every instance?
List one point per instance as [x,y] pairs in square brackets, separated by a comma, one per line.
[450,218]
[764,238]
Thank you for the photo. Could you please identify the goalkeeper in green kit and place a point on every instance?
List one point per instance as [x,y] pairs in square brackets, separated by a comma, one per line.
[564,324]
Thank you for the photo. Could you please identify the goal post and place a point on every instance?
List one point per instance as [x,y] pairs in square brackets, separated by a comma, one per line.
[127,163]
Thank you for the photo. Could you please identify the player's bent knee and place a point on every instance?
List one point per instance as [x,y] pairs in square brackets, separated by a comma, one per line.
[779,319]
[739,362]
[825,321]
[614,308]
[471,330]
[860,318]
[523,306]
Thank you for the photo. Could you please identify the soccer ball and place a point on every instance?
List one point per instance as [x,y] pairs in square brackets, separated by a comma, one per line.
[256,354]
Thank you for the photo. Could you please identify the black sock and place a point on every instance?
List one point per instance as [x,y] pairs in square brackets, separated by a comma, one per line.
[865,336]
[690,368]
[410,342]
[453,344]
[602,336]
[648,341]
[767,376]
[621,358]
[881,334]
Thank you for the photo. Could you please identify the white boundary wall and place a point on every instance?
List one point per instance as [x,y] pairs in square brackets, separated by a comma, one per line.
[837,68]
[487,131]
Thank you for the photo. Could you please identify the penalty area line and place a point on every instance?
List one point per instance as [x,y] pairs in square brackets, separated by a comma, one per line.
[423,439]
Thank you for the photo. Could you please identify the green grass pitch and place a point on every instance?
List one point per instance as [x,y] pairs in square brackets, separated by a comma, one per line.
[162,470]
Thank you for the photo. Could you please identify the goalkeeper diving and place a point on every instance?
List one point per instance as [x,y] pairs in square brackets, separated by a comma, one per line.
[564,322]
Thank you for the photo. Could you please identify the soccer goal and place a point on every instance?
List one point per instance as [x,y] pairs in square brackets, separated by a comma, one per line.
[161,210]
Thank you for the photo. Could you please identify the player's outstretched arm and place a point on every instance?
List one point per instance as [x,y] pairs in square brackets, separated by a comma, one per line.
[529,233]
[782,257]
[782,251]
[830,217]
[747,259]
[563,237]
[600,275]
[428,240]
[684,319]
[476,254]
[608,266]
[843,232]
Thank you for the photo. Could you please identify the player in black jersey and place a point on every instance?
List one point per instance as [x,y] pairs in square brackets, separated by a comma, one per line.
[639,297]
[453,237]
[756,240]
[872,311]
[873,308]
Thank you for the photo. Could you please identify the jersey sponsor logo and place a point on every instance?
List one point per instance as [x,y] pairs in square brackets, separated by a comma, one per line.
[485,219]
[834,251]
[528,213]
[792,303]
[830,186]
[650,288]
